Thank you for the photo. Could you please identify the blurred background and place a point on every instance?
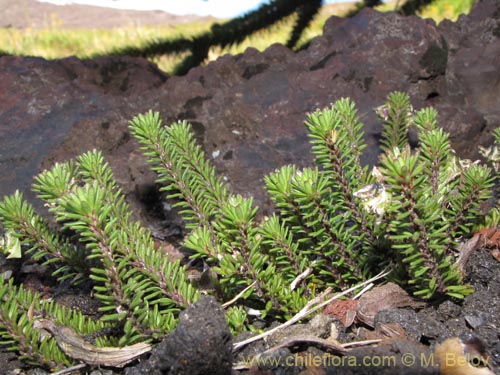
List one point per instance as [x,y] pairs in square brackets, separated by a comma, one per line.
[178,35]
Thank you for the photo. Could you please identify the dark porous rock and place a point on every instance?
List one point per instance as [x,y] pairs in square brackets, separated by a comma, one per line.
[398,357]
[483,306]
[449,310]
[319,326]
[404,316]
[200,344]
[248,110]
[478,313]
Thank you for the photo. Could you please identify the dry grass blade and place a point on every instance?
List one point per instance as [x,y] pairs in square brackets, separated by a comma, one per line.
[312,306]
[238,296]
[466,249]
[70,369]
[76,347]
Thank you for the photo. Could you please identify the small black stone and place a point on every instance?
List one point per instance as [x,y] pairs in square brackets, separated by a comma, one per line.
[201,344]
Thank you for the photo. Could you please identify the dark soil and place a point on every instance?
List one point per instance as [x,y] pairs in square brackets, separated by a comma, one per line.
[417,333]
[413,333]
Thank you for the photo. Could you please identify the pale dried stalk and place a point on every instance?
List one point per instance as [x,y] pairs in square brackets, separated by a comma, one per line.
[74,346]
[70,369]
[312,306]
[238,296]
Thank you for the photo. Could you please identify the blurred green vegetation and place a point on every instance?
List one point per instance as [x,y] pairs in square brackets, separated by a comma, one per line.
[56,41]
[447,9]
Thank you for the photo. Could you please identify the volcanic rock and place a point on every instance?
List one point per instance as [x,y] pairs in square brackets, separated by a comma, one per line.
[248,110]
[200,344]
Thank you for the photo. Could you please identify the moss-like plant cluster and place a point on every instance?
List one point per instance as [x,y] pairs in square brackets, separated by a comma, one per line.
[335,225]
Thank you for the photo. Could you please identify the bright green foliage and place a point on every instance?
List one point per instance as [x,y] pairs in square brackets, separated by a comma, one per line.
[335,225]
[43,243]
[283,251]
[397,114]
[224,229]
[19,308]
[436,201]
[182,168]
[139,288]
[334,222]
[135,283]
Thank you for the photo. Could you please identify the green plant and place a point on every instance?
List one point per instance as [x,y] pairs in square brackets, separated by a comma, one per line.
[446,9]
[336,224]
[140,290]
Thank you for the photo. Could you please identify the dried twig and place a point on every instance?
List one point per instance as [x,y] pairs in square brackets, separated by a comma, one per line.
[301,277]
[466,250]
[361,343]
[70,369]
[335,347]
[363,291]
[238,296]
[312,306]
[74,346]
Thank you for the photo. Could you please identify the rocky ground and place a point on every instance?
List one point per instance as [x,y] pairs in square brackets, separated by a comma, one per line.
[406,337]
[248,112]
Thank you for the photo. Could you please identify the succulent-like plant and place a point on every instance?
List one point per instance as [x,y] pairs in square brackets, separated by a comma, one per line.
[335,225]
